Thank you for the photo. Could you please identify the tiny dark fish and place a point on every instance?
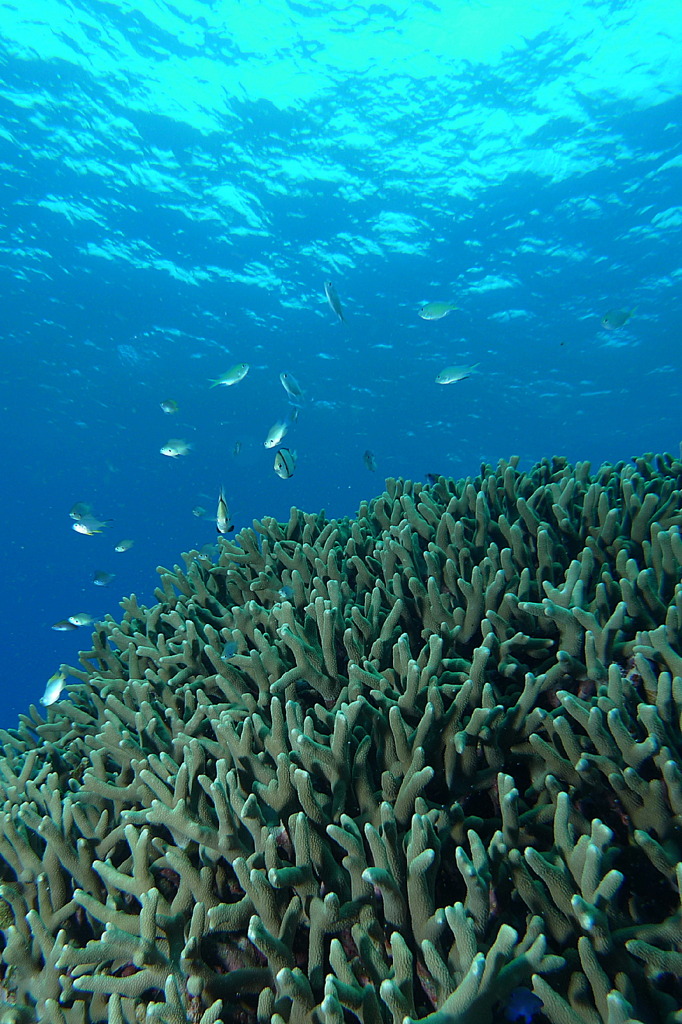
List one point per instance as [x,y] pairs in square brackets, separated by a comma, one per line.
[431,478]
[522,1005]
[102,578]
[237,448]
[370,461]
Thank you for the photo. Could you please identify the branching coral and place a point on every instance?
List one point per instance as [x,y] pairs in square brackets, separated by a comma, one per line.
[391,767]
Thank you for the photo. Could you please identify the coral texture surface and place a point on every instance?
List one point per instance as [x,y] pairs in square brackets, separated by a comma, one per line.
[389,768]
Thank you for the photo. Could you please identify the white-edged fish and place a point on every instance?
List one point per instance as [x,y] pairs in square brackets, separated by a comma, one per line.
[436,310]
[223,521]
[276,433]
[175,447]
[124,545]
[88,525]
[451,374]
[285,463]
[233,375]
[333,300]
[55,685]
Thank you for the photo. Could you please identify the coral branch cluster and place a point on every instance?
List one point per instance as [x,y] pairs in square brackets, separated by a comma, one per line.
[390,768]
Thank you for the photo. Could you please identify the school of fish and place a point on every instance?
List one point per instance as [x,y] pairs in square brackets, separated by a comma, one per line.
[86,522]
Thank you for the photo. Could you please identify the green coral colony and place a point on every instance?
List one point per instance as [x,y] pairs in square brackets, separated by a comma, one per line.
[384,769]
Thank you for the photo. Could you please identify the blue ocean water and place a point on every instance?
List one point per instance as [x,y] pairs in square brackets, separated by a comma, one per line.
[179,181]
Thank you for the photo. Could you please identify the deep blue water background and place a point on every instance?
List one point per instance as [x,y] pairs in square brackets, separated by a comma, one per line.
[177,184]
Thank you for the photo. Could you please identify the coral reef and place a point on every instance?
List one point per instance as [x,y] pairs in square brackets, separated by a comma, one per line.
[388,769]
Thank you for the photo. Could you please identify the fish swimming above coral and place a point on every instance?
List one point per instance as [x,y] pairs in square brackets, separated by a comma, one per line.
[81,619]
[223,519]
[278,430]
[53,689]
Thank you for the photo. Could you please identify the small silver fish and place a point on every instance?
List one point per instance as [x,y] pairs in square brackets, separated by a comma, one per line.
[451,374]
[276,433]
[333,300]
[292,388]
[175,447]
[616,318]
[233,375]
[285,463]
[169,406]
[124,545]
[88,525]
[55,685]
[64,625]
[436,310]
[81,619]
